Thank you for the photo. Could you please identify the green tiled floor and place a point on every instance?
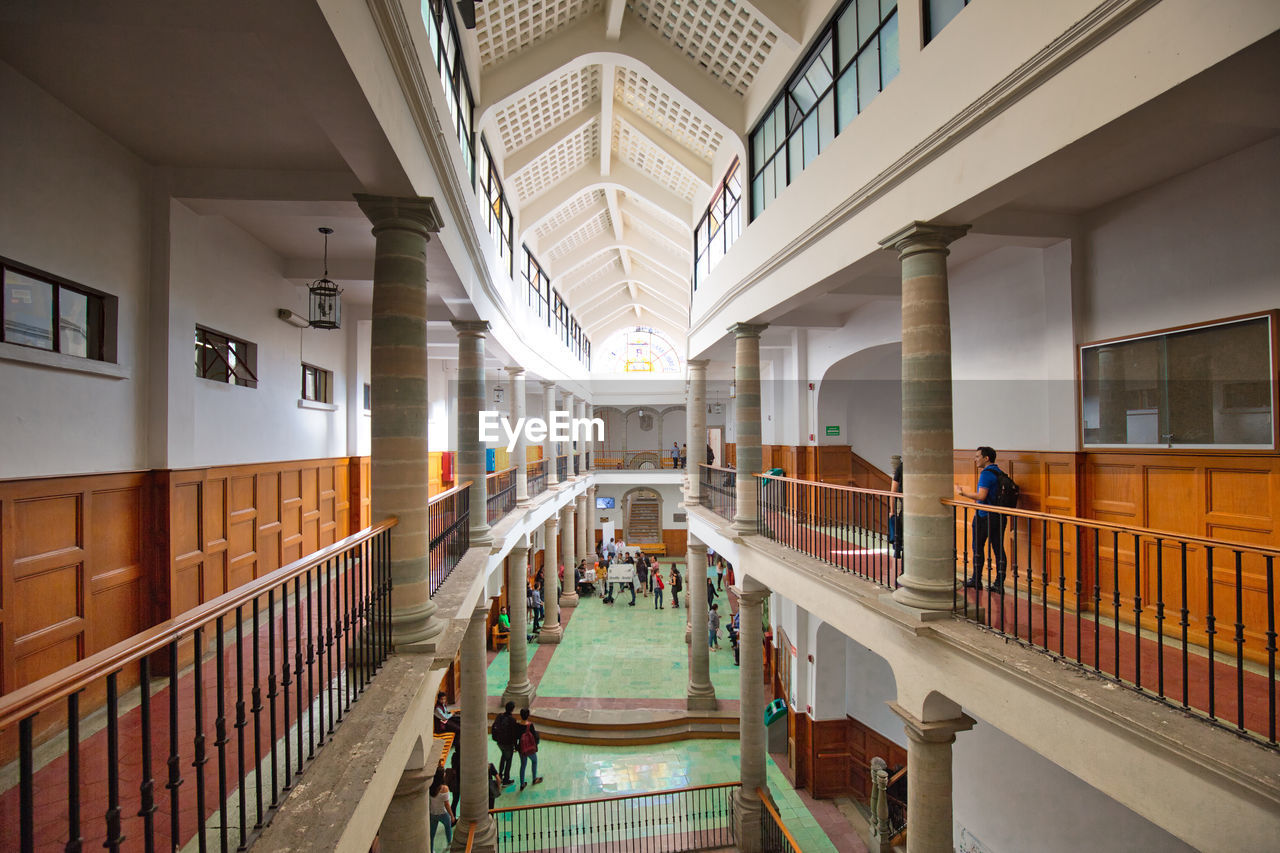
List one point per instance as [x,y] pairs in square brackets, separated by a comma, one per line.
[637,653]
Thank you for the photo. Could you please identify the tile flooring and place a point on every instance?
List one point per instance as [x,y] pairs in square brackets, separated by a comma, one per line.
[636,653]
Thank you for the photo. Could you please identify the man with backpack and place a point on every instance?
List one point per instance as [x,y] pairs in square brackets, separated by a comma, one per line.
[995,489]
[506,732]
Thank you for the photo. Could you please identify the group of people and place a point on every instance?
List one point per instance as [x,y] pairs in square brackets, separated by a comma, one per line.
[512,734]
[648,576]
[679,455]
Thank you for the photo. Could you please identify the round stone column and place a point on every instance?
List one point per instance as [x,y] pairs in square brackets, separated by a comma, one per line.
[747,808]
[591,521]
[929,809]
[471,399]
[746,373]
[398,377]
[568,591]
[551,628]
[519,689]
[520,457]
[405,824]
[549,446]
[580,525]
[473,807]
[701,694]
[928,576]
[695,432]
[590,410]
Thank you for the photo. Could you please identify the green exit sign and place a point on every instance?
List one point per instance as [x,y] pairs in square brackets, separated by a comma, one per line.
[833,430]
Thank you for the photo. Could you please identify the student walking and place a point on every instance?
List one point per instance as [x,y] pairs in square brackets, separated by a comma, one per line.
[441,812]
[677,584]
[528,746]
[713,628]
[658,586]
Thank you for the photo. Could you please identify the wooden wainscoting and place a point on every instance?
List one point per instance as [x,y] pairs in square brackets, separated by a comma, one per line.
[73,572]
[831,758]
[676,542]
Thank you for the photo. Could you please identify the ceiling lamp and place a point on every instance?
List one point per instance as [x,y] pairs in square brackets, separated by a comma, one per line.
[325,299]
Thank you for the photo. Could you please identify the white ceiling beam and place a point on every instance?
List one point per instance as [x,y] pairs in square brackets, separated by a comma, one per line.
[653,253]
[623,177]
[526,155]
[698,167]
[615,213]
[637,47]
[785,17]
[625,257]
[607,70]
[659,286]
[563,232]
[648,303]
[600,329]
[614,11]
[680,239]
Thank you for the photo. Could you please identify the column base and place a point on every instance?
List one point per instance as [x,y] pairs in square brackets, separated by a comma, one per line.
[688,633]
[521,694]
[747,812]
[698,700]
[924,594]
[550,636]
[484,841]
[416,625]
[405,824]
[745,526]
[481,537]
[569,599]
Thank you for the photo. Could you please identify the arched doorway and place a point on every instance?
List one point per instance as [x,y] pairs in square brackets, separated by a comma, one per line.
[642,514]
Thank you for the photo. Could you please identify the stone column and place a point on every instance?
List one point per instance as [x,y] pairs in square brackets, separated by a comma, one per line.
[591,520]
[398,369]
[551,628]
[571,406]
[549,447]
[928,576]
[568,592]
[471,399]
[747,808]
[585,547]
[929,820]
[696,431]
[405,826]
[520,458]
[746,372]
[590,410]
[701,695]
[519,689]
[473,807]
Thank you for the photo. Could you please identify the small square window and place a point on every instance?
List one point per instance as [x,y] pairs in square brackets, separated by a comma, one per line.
[368,397]
[222,358]
[317,384]
[44,312]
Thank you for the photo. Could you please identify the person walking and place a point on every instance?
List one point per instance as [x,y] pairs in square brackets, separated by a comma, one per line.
[658,587]
[675,454]
[441,811]
[711,591]
[528,745]
[713,628]
[504,733]
[642,576]
[719,574]
[677,584]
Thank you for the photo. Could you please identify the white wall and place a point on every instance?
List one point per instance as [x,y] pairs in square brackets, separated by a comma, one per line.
[862,395]
[225,280]
[672,503]
[75,204]
[1009,799]
[870,684]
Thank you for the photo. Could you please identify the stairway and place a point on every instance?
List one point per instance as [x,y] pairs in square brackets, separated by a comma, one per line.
[644,522]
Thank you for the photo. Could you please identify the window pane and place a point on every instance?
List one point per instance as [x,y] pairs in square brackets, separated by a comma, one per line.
[769,137]
[795,153]
[887,8]
[780,174]
[868,75]
[28,311]
[804,96]
[810,139]
[1219,385]
[757,196]
[868,18]
[770,190]
[847,35]
[826,121]
[757,149]
[73,323]
[847,96]
[889,51]
[779,125]
[938,13]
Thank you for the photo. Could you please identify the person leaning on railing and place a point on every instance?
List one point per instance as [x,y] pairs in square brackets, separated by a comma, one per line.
[987,526]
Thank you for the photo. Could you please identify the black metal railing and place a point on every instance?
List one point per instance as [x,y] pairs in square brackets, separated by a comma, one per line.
[694,818]
[586,461]
[562,468]
[449,525]
[774,837]
[845,526]
[718,490]
[643,458]
[1144,608]
[210,718]
[537,477]
[500,494]
[577,464]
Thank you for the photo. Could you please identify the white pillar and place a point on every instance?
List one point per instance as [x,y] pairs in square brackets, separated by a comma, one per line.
[929,810]
[519,688]
[701,693]
[520,458]
[696,430]
[473,807]
[751,740]
[568,592]
[471,399]
[747,449]
[549,446]
[551,628]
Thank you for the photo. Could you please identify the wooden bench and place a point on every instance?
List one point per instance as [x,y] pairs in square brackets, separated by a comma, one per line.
[653,549]
[500,637]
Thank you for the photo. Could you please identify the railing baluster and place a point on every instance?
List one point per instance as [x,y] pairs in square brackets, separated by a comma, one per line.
[146,788]
[1160,617]
[1185,623]
[74,839]
[256,710]
[272,694]
[221,738]
[1137,611]
[26,786]
[1115,602]
[175,761]
[114,835]
[1210,630]
[297,662]
[200,758]
[1062,589]
[1097,599]
[1239,641]
[242,721]
[1271,652]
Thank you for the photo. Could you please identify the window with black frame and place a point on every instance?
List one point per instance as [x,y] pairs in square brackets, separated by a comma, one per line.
[939,13]
[222,358]
[1211,385]
[537,285]
[498,217]
[851,62]
[446,52]
[720,225]
[44,312]
[317,384]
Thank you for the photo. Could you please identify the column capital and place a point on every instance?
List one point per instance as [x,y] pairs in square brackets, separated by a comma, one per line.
[548,384]
[698,363]
[752,597]
[748,330]
[934,731]
[481,611]
[515,370]
[522,550]
[923,237]
[696,547]
[475,328]
[553,522]
[409,213]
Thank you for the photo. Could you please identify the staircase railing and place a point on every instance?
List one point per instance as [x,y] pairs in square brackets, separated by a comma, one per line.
[774,836]
[695,818]
[888,813]
[449,525]
[650,457]
[718,488]
[232,700]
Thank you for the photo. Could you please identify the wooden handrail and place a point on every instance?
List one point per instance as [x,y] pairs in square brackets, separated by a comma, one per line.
[461,487]
[499,473]
[718,468]
[33,697]
[778,819]
[1120,528]
[617,797]
[836,486]
[471,837]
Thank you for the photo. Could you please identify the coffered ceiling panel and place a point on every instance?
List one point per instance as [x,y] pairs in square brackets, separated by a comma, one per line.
[567,156]
[633,147]
[675,115]
[504,27]
[600,224]
[551,103]
[726,38]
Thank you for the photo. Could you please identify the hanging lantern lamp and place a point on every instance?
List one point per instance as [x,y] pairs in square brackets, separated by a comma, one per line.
[325,297]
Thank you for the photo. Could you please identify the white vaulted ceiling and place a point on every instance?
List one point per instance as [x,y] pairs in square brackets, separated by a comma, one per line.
[609,121]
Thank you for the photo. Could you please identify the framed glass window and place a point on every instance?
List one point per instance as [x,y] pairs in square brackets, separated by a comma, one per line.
[42,311]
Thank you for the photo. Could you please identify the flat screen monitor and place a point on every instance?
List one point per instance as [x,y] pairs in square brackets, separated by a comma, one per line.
[604,503]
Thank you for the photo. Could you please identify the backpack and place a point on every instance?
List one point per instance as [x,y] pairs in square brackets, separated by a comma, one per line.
[498,730]
[1009,492]
[528,742]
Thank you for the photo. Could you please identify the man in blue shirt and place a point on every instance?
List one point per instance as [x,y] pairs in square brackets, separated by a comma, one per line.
[988,527]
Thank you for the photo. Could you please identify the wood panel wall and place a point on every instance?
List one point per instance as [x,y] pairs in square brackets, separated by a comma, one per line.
[676,541]
[88,561]
[831,758]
